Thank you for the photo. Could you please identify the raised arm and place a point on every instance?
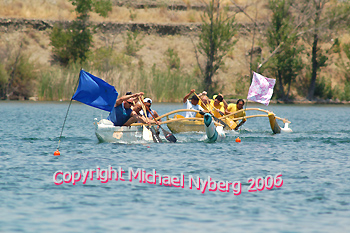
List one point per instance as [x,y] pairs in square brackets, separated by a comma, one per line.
[188,95]
[126,97]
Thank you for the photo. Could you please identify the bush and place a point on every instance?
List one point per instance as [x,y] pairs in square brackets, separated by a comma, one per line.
[346,94]
[73,44]
[323,89]
[4,77]
[172,59]
[60,42]
[132,43]
[17,77]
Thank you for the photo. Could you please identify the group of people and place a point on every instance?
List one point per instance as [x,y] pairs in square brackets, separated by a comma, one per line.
[217,106]
[128,109]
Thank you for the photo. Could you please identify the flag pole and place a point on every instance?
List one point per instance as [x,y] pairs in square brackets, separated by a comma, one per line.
[245,107]
[57,152]
[264,94]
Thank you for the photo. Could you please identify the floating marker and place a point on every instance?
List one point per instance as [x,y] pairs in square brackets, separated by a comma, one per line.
[238,140]
[56,153]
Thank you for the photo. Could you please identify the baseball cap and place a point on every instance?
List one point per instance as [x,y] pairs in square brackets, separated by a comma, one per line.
[148,100]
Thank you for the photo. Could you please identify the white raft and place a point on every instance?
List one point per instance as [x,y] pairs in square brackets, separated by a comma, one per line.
[214,133]
[106,132]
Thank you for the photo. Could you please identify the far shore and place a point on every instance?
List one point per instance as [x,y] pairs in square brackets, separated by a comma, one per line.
[300,101]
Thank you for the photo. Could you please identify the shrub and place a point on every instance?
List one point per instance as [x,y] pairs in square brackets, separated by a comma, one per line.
[4,77]
[323,88]
[346,94]
[60,41]
[73,44]
[133,43]
[172,59]
[21,73]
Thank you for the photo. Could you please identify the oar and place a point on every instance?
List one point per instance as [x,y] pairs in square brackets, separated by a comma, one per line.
[229,123]
[176,111]
[255,109]
[215,118]
[155,136]
[169,136]
[222,118]
[178,119]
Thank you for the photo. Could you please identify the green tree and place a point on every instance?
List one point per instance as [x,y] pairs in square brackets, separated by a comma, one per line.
[344,66]
[215,40]
[286,64]
[73,43]
[324,18]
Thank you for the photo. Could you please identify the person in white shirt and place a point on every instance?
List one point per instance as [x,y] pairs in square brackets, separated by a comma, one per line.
[193,104]
[148,104]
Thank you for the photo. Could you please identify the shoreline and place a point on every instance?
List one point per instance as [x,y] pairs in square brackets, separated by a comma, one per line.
[301,102]
[290,102]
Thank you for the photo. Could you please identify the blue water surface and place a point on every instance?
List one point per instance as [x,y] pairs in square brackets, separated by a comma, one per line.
[313,161]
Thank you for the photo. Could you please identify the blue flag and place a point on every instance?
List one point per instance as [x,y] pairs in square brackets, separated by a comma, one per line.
[95,92]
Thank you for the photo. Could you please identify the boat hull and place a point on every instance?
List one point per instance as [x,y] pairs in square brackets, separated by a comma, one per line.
[106,132]
[186,126]
[214,133]
[198,125]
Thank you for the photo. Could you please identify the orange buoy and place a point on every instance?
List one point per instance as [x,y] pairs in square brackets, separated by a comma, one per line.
[56,153]
[238,140]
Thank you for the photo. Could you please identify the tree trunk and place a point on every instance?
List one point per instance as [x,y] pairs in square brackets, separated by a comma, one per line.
[310,95]
[288,90]
[318,7]
[208,80]
[280,82]
[209,67]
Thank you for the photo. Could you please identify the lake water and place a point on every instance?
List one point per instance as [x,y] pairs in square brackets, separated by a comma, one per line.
[313,160]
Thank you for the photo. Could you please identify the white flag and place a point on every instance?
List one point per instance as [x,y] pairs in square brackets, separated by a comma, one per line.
[261,89]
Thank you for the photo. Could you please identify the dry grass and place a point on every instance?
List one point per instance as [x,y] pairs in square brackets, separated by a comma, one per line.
[63,10]
[37,9]
[236,64]
[152,53]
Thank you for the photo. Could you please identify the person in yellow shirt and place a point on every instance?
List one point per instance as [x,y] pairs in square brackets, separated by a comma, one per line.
[218,105]
[234,108]
[203,102]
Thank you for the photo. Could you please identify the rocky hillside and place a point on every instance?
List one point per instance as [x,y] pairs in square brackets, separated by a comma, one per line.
[164,25]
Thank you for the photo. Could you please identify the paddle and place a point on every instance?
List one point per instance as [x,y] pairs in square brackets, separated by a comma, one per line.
[215,118]
[169,136]
[177,111]
[155,135]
